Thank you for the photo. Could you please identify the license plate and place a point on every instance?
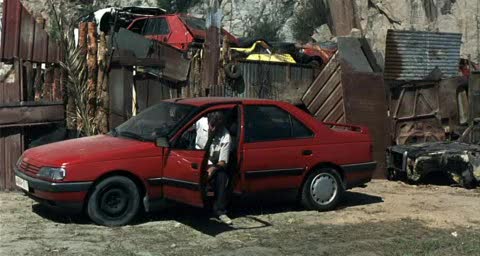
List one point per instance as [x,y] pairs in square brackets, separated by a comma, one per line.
[23,184]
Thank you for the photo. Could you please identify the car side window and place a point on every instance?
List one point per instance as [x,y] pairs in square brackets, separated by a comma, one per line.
[157,26]
[265,123]
[300,130]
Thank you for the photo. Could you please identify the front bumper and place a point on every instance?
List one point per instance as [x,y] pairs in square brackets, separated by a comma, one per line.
[47,186]
[67,195]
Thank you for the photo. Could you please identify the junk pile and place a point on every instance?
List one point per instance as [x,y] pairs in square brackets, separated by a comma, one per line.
[432,109]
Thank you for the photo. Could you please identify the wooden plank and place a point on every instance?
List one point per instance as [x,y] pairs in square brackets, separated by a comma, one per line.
[27,36]
[2,160]
[336,114]
[325,92]
[31,114]
[329,103]
[13,150]
[320,81]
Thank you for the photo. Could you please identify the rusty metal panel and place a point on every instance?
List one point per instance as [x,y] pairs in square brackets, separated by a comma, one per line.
[366,104]
[176,66]
[27,35]
[150,91]
[11,147]
[120,94]
[268,80]
[11,29]
[23,37]
[3,184]
[40,47]
[52,52]
[412,55]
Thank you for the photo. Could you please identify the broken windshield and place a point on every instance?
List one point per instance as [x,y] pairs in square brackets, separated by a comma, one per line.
[157,121]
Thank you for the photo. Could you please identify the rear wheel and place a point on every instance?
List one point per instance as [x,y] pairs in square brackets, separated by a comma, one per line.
[115,201]
[322,190]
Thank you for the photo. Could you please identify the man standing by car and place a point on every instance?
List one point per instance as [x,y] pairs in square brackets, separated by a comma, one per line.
[215,139]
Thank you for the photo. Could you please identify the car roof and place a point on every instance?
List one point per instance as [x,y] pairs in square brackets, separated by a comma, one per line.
[203,101]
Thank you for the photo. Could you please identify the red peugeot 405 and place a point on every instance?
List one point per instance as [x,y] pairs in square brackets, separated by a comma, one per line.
[152,158]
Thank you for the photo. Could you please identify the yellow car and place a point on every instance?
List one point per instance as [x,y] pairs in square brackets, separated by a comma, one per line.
[261,51]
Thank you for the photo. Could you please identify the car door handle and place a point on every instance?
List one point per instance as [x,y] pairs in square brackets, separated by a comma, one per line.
[307,152]
[194,166]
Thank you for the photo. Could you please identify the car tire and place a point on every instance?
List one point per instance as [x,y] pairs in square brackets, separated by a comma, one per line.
[467,179]
[322,190]
[233,71]
[114,201]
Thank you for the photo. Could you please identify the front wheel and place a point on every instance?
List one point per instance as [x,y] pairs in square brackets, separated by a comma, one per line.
[114,201]
[322,190]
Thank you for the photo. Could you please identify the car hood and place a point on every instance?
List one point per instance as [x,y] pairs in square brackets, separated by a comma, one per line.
[90,149]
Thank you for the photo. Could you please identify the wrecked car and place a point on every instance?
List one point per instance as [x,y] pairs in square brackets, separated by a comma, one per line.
[119,17]
[457,160]
[152,157]
[181,31]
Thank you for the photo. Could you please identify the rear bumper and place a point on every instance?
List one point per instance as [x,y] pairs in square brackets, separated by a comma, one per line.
[358,174]
[67,195]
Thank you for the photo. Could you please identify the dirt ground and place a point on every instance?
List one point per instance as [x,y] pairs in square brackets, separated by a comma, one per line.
[385,218]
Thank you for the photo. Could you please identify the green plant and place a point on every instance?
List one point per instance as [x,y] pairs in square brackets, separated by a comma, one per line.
[312,14]
[75,67]
[266,29]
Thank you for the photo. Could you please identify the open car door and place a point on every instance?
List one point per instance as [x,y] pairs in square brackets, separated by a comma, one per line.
[184,178]
[182,175]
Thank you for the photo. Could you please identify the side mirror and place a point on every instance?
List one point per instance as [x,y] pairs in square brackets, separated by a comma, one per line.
[162,142]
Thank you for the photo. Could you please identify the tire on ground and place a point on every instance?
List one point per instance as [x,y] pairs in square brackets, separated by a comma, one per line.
[312,201]
[115,201]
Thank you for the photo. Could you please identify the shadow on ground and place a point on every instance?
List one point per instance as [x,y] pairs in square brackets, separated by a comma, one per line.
[244,210]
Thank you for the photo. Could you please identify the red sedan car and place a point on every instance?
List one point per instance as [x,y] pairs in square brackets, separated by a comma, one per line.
[152,157]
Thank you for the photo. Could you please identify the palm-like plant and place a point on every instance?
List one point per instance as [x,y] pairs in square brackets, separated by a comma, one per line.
[76,80]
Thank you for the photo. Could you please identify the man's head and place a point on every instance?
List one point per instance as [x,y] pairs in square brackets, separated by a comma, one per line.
[216,120]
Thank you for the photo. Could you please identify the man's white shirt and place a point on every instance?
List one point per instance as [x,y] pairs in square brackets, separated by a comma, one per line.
[220,147]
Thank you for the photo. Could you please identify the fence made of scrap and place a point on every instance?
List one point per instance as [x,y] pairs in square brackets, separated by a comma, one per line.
[31,95]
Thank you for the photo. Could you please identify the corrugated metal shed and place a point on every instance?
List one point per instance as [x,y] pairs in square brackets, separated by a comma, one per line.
[412,55]
[270,80]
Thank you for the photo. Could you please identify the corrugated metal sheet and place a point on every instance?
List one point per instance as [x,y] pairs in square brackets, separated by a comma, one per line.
[412,55]
[268,80]
[23,37]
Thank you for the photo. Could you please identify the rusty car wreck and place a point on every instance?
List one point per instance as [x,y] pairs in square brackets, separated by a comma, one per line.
[458,160]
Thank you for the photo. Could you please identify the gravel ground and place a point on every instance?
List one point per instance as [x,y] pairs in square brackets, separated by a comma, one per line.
[385,218]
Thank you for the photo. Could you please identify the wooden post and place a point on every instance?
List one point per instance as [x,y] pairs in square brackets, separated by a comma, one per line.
[48,84]
[92,74]
[102,86]
[82,35]
[212,48]
[72,108]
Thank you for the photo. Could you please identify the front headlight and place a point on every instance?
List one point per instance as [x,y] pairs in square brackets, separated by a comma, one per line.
[52,173]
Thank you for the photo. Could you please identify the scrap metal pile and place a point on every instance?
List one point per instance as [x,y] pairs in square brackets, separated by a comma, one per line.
[432,106]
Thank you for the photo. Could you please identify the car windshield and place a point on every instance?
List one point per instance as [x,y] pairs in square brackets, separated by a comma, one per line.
[159,120]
